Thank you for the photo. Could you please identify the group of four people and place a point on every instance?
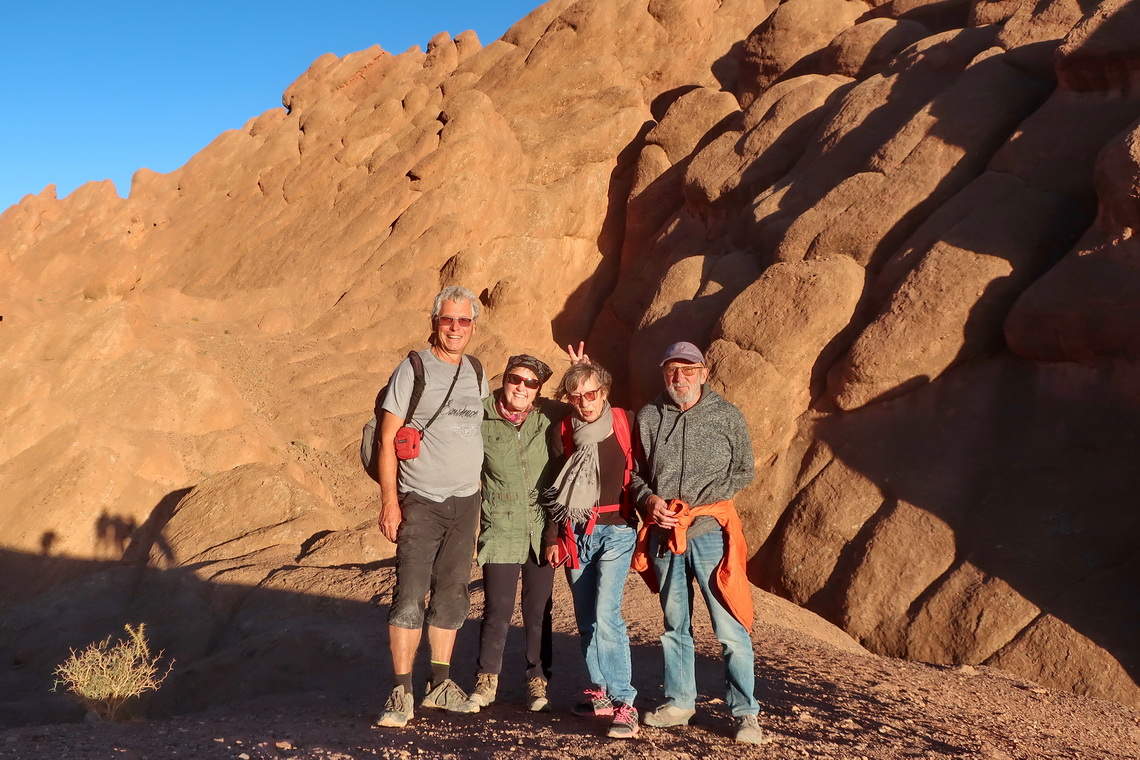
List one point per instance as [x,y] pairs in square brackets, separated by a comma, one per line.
[561,483]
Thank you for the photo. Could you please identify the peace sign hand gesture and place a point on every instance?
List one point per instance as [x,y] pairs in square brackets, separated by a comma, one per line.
[579,356]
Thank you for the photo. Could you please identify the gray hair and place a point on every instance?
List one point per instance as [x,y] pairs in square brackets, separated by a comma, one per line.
[580,373]
[458,294]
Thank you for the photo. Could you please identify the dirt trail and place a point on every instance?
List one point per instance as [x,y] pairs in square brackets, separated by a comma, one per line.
[821,697]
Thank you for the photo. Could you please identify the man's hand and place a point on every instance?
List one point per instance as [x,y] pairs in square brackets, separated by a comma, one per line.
[659,512]
[553,555]
[579,356]
[390,518]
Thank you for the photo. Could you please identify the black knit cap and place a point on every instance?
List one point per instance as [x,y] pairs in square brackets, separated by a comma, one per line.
[537,366]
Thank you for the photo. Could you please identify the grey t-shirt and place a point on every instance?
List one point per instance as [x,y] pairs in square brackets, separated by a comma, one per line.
[451,453]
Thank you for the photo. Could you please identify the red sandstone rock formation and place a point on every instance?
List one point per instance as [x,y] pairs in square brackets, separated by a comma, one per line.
[903,230]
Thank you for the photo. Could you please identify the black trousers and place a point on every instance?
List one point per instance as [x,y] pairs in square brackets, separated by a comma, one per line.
[500,582]
[433,552]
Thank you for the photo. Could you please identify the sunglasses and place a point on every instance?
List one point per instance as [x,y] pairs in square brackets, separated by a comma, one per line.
[578,398]
[688,370]
[449,321]
[514,379]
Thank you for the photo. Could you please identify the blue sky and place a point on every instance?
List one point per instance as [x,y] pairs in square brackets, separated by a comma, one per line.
[95,90]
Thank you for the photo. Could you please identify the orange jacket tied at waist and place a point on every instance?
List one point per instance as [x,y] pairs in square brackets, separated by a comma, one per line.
[730,580]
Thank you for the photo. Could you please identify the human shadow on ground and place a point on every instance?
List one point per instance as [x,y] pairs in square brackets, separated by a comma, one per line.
[230,642]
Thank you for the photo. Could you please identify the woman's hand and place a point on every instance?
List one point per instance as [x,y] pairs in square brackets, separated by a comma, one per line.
[579,356]
[553,555]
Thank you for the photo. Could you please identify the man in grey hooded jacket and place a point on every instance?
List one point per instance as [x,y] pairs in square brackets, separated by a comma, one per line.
[695,455]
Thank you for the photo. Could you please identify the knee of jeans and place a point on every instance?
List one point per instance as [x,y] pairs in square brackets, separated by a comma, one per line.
[737,643]
[676,613]
[611,629]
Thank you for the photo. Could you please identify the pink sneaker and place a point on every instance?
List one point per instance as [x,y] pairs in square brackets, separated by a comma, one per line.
[596,703]
[624,725]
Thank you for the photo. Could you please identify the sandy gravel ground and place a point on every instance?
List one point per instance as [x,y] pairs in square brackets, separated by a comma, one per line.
[820,696]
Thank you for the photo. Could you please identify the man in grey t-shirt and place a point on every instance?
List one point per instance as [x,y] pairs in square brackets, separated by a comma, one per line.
[451,451]
[430,504]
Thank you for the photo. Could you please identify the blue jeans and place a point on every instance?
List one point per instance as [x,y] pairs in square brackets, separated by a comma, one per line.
[598,586]
[675,573]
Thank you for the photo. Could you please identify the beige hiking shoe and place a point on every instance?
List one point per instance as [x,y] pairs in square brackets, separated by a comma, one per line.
[748,730]
[397,710]
[536,700]
[486,687]
[668,715]
[446,696]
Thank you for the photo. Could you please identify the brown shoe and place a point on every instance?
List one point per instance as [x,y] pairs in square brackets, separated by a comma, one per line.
[536,700]
[486,687]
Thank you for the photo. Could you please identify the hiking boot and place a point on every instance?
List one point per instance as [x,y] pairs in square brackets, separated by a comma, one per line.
[446,696]
[397,710]
[536,700]
[624,725]
[748,730]
[595,704]
[668,715]
[486,686]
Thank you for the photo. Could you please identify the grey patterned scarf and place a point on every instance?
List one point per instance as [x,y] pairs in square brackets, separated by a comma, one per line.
[577,488]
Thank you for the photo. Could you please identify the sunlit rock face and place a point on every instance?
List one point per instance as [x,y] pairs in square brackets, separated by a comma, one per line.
[903,231]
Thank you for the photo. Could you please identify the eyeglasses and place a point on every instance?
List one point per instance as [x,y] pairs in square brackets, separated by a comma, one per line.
[578,398]
[514,379]
[688,370]
[449,321]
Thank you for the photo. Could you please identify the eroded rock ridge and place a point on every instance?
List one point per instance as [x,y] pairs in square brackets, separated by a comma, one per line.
[903,229]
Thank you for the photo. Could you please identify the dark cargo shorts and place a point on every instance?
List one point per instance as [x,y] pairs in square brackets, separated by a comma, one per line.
[434,547]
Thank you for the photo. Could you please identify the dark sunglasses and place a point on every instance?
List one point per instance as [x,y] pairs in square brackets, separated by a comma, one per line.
[514,379]
[461,321]
[578,398]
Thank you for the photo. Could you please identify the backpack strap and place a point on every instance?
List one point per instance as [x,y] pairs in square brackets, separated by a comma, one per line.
[567,436]
[625,439]
[370,440]
[418,384]
[478,365]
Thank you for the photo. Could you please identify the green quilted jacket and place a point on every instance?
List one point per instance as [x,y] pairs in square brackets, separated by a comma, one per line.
[517,467]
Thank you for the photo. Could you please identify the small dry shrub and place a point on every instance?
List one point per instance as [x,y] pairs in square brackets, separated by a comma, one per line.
[105,676]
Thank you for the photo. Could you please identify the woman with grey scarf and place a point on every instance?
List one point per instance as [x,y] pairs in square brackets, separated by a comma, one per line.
[592,530]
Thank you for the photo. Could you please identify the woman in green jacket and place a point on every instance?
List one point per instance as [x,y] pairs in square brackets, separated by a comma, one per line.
[516,469]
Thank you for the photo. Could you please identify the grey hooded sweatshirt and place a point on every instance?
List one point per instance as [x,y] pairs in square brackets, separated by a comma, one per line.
[700,456]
